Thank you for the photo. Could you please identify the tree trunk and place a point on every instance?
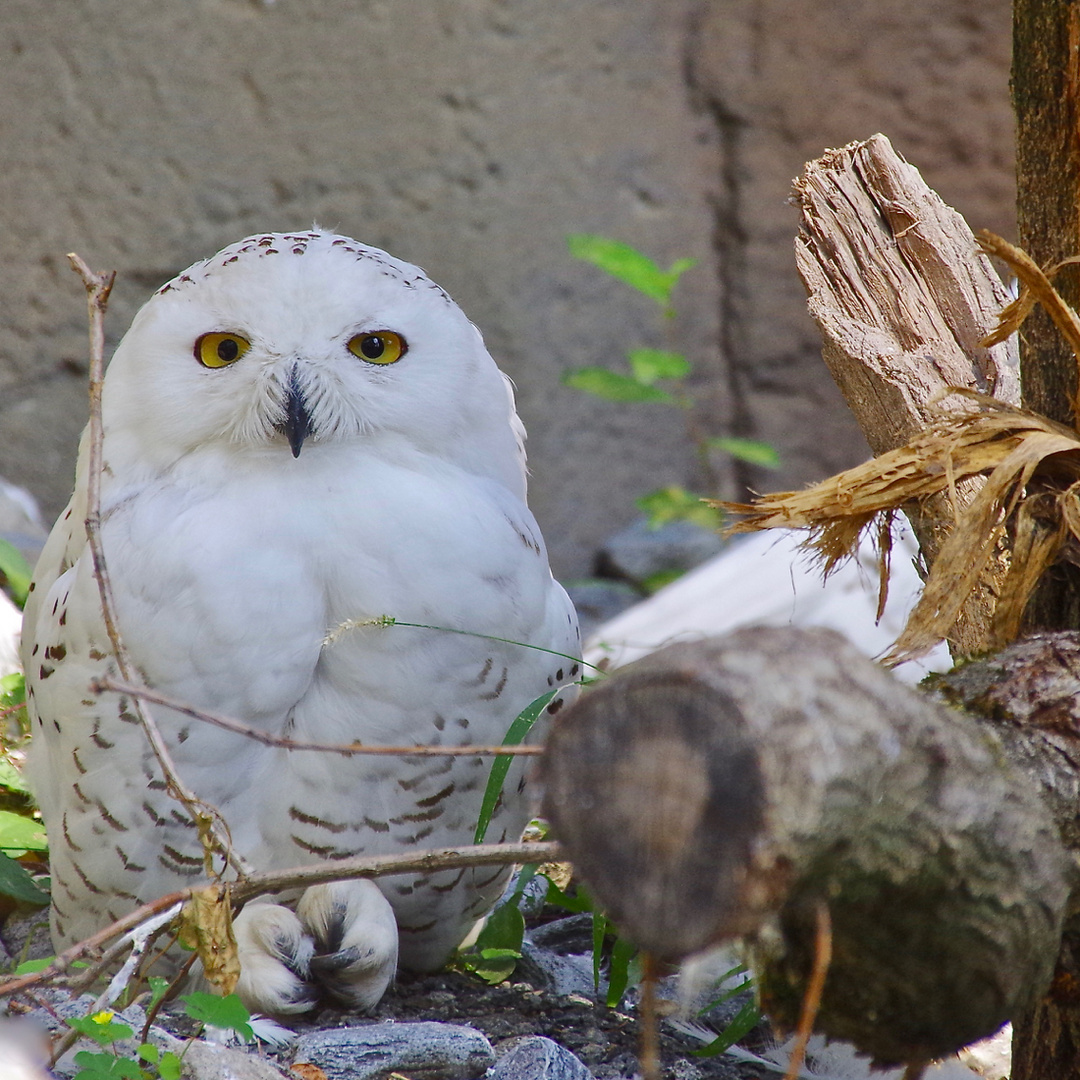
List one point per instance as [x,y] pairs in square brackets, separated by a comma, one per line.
[1046,99]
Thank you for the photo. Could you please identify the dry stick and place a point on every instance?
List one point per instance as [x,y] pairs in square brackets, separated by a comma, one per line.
[428,861]
[106,998]
[814,989]
[346,749]
[98,287]
[649,1058]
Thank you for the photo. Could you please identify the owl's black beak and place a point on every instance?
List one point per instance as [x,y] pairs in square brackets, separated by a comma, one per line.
[296,425]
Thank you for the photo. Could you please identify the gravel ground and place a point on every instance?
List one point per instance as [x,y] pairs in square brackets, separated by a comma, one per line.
[604,1039]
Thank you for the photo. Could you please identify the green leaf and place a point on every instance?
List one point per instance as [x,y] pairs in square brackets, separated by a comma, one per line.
[498,945]
[12,689]
[727,995]
[21,833]
[149,1053]
[655,582]
[159,987]
[622,953]
[106,1067]
[101,1028]
[610,385]
[749,450]
[678,504]
[31,967]
[500,766]
[169,1066]
[11,778]
[649,365]
[628,265]
[18,884]
[599,932]
[575,904]
[223,1012]
[16,572]
[741,1025]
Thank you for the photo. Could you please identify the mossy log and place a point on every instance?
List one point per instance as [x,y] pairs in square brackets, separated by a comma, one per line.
[725,788]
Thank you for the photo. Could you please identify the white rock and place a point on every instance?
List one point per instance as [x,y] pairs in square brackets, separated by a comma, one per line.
[766,579]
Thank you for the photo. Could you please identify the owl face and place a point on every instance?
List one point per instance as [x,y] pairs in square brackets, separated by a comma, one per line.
[295,343]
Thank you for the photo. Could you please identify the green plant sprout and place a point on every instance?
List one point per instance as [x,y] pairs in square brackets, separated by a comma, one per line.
[650,367]
[150,1063]
[15,573]
[741,1024]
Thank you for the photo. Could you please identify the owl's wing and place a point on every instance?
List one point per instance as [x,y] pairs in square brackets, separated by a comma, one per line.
[65,545]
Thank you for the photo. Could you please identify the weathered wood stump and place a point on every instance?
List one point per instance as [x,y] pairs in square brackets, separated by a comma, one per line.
[725,788]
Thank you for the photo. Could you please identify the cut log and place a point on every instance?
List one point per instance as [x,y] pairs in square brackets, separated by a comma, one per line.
[724,788]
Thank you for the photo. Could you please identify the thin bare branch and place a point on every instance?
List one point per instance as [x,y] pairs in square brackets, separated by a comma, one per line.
[421,862]
[345,749]
[428,861]
[814,989]
[98,287]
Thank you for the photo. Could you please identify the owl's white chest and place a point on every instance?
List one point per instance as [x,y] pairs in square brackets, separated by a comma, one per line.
[230,583]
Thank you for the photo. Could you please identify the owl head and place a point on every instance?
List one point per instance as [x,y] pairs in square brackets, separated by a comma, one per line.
[307,343]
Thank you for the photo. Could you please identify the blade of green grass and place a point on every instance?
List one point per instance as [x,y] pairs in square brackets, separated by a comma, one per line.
[500,766]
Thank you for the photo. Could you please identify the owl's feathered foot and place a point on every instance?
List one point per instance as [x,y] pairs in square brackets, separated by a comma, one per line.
[342,940]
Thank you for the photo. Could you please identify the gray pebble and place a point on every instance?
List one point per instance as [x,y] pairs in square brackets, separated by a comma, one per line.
[209,1061]
[600,599]
[561,975]
[637,552]
[532,1057]
[25,935]
[422,1051]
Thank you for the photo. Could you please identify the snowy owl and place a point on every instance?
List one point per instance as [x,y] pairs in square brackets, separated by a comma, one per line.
[298,432]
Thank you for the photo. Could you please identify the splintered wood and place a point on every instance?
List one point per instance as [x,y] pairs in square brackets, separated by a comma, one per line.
[911,314]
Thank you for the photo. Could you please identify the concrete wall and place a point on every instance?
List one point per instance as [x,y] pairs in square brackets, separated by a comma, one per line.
[470,136]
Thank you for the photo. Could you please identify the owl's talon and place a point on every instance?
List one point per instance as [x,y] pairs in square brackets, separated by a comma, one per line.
[356,940]
[275,960]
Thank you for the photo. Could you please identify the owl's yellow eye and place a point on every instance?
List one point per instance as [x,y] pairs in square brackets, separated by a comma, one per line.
[379,347]
[220,350]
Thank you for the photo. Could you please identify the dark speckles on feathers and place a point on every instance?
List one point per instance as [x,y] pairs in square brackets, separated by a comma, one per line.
[320,823]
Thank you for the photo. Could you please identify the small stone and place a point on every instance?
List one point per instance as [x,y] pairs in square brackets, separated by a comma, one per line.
[599,599]
[638,551]
[25,935]
[568,936]
[561,975]
[533,1057]
[208,1061]
[422,1051]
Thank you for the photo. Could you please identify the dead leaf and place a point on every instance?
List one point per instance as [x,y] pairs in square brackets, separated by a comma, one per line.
[1030,497]
[206,927]
[308,1072]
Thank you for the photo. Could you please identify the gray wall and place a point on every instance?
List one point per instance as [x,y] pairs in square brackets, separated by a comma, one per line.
[470,136]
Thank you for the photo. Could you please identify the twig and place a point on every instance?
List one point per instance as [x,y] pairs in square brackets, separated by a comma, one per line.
[428,861]
[650,1036]
[138,938]
[98,287]
[811,1002]
[346,749]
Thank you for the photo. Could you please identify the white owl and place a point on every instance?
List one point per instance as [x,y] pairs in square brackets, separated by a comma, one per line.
[299,431]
